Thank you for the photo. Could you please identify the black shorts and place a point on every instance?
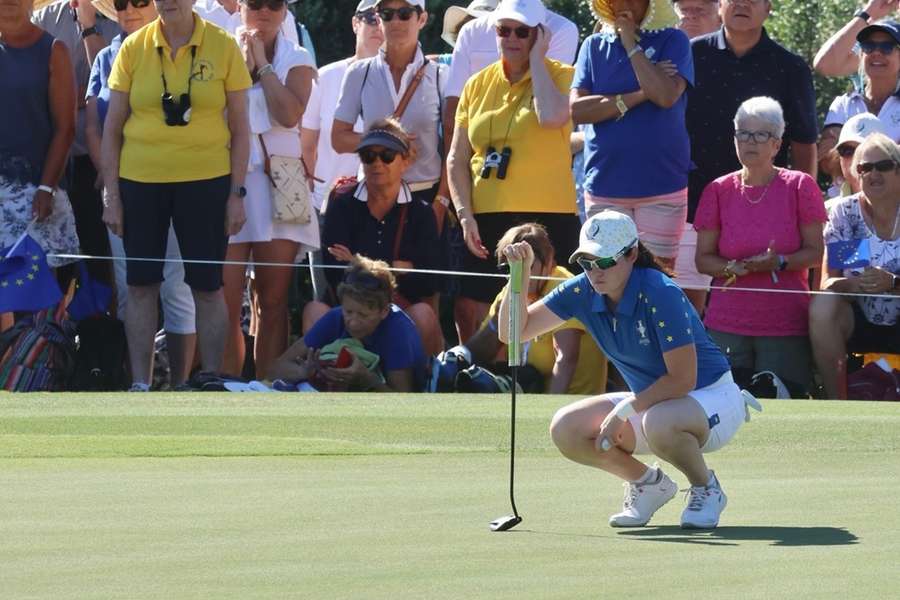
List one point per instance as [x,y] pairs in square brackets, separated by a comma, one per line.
[869,337]
[196,210]
[563,230]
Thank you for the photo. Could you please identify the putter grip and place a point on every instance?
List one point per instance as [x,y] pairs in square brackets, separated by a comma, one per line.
[514,348]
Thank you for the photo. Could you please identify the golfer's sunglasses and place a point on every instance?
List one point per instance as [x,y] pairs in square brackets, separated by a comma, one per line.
[123,4]
[405,13]
[589,264]
[521,32]
[882,166]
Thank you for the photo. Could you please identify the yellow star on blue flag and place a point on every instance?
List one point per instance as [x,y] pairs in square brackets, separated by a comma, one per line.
[35,288]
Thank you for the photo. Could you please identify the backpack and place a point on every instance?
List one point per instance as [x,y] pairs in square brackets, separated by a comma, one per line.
[100,358]
[37,353]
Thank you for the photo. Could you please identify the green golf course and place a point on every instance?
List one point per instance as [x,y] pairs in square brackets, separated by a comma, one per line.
[378,496]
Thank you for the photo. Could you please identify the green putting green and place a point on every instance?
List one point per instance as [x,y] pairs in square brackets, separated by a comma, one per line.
[377,496]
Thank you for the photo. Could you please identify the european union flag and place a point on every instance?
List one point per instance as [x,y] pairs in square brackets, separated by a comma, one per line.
[91,296]
[26,282]
[852,254]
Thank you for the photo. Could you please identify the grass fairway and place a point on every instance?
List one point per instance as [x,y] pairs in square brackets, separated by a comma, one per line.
[319,496]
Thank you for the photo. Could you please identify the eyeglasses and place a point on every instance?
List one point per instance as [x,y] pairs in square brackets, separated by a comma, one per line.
[589,264]
[883,47]
[521,32]
[364,280]
[123,4]
[846,151]
[369,17]
[758,137]
[405,13]
[368,156]
[882,166]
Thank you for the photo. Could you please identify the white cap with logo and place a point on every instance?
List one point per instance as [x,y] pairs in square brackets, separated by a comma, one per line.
[365,5]
[528,12]
[859,127]
[419,3]
[605,235]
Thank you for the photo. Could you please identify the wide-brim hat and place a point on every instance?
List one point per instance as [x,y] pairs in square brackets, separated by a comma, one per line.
[660,15]
[605,235]
[107,8]
[455,15]
[39,4]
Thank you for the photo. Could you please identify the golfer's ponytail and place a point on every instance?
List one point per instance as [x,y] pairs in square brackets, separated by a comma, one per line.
[647,260]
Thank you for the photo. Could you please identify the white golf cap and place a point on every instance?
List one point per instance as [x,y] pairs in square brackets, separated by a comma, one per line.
[859,127]
[528,12]
[454,15]
[605,235]
[419,3]
[365,5]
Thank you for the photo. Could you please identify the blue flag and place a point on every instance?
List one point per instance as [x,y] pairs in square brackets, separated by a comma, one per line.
[851,254]
[26,282]
[91,296]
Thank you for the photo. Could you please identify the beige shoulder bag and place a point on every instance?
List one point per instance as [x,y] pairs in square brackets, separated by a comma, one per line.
[289,183]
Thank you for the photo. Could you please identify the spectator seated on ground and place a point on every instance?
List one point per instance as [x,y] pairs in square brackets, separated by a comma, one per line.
[569,361]
[863,257]
[367,315]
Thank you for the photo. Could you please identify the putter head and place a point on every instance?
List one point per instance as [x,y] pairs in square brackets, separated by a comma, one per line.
[504,523]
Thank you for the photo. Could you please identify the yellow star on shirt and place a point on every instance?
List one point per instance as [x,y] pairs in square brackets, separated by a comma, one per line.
[662,324]
[577,290]
[19,282]
[30,276]
[35,257]
[689,330]
[668,338]
[35,268]
[4,283]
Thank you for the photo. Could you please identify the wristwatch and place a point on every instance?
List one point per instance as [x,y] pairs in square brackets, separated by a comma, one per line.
[46,188]
[782,262]
[637,48]
[620,104]
[862,15]
[88,31]
[239,191]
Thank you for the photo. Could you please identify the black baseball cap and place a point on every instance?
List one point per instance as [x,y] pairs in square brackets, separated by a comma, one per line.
[890,27]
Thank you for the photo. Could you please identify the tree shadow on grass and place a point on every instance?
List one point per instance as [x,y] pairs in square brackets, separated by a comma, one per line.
[730,536]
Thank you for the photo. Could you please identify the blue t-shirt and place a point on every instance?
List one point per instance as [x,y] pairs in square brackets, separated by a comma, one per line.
[647,152]
[653,317]
[98,84]
[395,340]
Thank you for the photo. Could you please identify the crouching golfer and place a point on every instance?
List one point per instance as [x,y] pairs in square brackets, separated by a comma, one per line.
[683,401]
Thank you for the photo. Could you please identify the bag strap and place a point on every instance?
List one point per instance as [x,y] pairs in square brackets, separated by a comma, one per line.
[401,227]
[407,95]
[267,164]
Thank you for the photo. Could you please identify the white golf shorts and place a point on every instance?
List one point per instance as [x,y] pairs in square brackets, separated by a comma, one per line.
[721,401]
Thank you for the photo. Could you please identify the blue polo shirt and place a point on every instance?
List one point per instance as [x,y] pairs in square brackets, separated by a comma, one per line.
[395,340]
[98,84]
[653,317]
[647,152]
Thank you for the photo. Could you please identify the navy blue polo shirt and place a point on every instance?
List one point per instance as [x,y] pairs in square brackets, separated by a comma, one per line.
[649,140]
[652,318]
[722,82]
[396,340]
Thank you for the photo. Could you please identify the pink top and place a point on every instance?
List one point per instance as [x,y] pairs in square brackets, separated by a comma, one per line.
[747,220]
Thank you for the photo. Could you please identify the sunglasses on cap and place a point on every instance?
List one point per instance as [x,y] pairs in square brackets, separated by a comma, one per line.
[369,17]
[364,280]
[759,137]
[883,47]
[522,32]
[846,151]
[589,264]
[405,13]
[882,166]
[121,5]
[368,156]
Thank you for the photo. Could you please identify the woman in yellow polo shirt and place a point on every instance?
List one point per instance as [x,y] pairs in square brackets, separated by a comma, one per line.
[175,150]
[510,162]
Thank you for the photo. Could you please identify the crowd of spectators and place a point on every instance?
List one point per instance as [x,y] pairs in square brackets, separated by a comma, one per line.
[171,135]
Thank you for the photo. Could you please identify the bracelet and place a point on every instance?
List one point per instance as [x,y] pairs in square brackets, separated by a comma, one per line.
[266,68]
[621,106]
[623,410]
[46,188]
[637,48]
[460,210]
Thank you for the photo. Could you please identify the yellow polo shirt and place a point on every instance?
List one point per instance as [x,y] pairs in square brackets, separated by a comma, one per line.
[153,152]
[591,370]
[539,177]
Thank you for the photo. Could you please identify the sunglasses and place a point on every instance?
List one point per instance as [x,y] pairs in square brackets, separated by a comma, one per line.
[405,13]
[589,264]
[882,166]
[273,5]
[369,17]
[123,4]
[521,32]
[364,280]
[846,151]
[368,156]
[882,47]
[759,137]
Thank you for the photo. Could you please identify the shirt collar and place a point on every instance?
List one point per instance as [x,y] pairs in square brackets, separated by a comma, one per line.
[417,60]
[722,44]
[160,41]
[362,193]
[629,301]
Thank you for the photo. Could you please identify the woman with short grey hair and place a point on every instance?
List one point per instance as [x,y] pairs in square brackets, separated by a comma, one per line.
[760,228]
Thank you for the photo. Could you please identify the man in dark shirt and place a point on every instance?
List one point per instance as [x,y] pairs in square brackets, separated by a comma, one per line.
[733,64]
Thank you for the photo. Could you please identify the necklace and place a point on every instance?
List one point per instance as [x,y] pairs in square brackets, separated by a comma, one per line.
[765,191]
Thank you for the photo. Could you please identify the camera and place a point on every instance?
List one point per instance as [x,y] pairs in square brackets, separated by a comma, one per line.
[496,159]
[178,114]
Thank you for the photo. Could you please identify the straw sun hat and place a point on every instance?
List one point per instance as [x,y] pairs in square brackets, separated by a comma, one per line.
[660,15]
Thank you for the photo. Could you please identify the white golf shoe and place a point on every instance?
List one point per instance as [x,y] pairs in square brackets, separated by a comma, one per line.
[642,500]
[704,506]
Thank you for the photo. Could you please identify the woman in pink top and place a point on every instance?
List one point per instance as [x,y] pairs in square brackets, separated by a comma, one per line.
[761,228]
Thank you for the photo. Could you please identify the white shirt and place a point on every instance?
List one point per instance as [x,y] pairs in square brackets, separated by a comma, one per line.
[215,13]
[319,116]
[847,105]
[476,48]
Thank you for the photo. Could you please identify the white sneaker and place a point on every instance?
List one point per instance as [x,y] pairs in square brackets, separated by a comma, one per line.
[642,500]
[704,506]
[139,387]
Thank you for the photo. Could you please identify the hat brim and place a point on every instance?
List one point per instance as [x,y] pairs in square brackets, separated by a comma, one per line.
[453,16]
[589,248]
[383,140]
[502,13]
[869,30]
[107,9]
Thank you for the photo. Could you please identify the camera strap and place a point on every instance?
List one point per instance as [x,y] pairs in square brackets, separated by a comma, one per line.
[162,69]
[512,118]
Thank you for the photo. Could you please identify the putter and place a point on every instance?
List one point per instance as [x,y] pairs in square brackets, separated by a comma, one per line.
[514,356]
